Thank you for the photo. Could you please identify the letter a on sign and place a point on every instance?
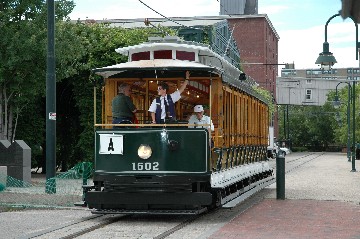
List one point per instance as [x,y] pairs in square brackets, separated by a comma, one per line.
[111,144]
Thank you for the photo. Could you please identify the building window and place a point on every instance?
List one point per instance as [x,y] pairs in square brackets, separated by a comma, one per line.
[356,71]
[314,72]
[349,78]
[349,71]
[288,72]
[308,81]
[308,94]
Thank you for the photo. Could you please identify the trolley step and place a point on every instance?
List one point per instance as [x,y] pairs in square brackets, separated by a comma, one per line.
[152,212]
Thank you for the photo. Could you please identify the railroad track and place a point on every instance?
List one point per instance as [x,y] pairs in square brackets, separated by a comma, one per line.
[87,227]
[76,228]
[297,162]
[292,162]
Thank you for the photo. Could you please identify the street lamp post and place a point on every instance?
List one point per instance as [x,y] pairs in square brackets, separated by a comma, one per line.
[336,105]
[326,59]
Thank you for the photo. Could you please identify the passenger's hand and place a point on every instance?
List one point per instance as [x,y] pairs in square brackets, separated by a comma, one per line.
[187,75]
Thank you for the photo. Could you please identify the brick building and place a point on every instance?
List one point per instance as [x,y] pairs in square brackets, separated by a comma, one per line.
[257,41]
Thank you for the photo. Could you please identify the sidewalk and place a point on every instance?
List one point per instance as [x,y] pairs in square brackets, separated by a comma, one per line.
[322,201]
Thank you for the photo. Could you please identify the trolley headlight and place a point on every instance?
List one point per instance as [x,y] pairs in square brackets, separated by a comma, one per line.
[144,151]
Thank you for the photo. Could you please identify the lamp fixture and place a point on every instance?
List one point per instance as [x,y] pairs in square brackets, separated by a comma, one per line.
[326,58]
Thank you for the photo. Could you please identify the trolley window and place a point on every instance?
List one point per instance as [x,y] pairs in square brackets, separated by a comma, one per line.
[185,55]
[141,56]
[163,54]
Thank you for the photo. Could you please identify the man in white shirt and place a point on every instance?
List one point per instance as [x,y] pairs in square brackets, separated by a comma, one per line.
[163,108]
[199,119]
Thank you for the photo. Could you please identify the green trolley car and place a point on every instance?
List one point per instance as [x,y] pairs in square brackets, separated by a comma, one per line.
[173,167]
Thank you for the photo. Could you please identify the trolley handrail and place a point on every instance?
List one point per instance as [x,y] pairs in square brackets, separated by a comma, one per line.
[152,125]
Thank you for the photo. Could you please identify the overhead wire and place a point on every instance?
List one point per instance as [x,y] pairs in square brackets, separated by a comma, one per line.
[168,17]
[228,44]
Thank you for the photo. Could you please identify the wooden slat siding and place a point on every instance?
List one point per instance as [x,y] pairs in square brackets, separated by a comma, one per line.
[229,121]
[261,110]
[229,105]
[249,120]
[256,124]
[258,120]
[242,119]
[233,119]
[253,120]
[238,117]
[234,105]
[110,93]
[266,125]
[225,112]
[234,115]
[217,111]
[245,119]
[251,131]
[216,87]
[224,128]
[261,121]
[139,101]
[247,127]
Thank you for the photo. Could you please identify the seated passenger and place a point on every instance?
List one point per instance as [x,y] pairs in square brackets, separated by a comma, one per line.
[123,108]
[200,119]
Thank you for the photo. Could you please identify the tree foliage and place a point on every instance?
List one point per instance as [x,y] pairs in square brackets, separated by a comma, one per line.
[267,97]
[343,119]
[307,126]
[79,47]
[23,57]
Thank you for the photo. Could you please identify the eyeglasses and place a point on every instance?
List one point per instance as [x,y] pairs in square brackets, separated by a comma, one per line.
[159,88]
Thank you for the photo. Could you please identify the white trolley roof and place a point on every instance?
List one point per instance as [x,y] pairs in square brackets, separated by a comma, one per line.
[204,58]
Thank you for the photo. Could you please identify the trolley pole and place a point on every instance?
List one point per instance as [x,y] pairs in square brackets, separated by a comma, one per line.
[280,176]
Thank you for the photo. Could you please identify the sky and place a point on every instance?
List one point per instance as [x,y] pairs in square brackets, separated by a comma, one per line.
[300,24]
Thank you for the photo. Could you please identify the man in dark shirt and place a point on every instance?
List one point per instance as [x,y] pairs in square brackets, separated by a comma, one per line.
[123,108]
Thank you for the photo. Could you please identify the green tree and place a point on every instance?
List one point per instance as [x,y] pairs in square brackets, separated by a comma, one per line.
[308,126]
[22,57]
[340,120]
